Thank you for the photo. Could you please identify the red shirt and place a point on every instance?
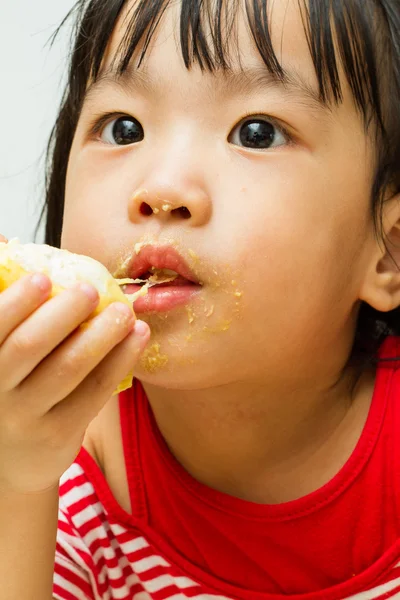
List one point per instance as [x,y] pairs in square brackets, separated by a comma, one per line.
[185,540]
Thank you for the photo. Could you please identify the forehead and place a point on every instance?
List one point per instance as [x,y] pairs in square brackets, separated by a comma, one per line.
[284,20]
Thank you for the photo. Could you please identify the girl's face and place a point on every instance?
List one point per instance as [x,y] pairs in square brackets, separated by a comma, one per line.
[276,187]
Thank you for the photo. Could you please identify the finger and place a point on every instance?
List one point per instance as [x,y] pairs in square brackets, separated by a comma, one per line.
[61,372]
[87,400]
[43,331]
[3,239]
[20,300]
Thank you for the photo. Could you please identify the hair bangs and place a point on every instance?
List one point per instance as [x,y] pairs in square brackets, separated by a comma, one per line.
[341,37]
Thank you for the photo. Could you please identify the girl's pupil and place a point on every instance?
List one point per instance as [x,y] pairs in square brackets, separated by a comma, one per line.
[127,131]
[257,134]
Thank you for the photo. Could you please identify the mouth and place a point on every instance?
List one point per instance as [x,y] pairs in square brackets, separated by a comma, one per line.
[156,260]
[163,278]
[165,275]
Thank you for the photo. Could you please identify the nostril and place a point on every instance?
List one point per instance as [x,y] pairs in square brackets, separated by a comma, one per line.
[182,212]
[145,209]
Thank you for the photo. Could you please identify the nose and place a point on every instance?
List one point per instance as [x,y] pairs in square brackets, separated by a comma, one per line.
[175,201]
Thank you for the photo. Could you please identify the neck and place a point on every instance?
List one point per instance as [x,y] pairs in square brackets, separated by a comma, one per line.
[261,446]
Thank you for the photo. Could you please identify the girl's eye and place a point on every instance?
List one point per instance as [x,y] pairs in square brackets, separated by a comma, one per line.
[123,131]
[258,134]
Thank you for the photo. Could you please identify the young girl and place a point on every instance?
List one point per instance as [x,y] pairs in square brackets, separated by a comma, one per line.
[252,149]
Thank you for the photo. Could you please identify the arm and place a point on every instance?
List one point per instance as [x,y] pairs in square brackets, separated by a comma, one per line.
[55,377]
[28,527]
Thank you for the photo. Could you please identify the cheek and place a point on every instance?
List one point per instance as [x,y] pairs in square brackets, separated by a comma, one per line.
[96,202]
[300,238]
[301,208]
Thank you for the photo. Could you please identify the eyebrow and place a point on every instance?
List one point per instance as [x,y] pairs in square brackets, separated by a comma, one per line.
[255,79]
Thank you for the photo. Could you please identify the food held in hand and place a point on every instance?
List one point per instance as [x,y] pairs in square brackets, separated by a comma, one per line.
[65,270]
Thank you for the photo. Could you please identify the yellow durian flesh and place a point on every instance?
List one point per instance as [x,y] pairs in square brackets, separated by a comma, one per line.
[64,269]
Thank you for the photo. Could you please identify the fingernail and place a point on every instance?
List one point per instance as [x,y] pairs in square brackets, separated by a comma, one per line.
[141,328]
[90,291]
[41,281]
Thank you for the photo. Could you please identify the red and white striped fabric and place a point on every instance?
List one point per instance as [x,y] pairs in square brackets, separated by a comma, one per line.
[98,559]
[185,540]
[106,561]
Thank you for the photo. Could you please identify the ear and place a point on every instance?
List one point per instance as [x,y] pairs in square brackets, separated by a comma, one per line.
[381,287]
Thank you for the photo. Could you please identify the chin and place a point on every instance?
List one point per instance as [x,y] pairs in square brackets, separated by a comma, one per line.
[182,361]
[195,346]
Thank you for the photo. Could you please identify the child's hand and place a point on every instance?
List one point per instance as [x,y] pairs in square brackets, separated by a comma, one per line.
[54,379]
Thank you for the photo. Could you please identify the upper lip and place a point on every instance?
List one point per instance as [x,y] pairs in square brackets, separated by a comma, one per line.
[159,257]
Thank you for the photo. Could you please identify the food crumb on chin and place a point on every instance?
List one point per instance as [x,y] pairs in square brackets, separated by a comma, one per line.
[226,325]
[152,359]
[190,314]
[210,311]
[223,325]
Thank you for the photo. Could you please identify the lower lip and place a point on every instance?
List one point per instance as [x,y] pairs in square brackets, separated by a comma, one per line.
[162,298]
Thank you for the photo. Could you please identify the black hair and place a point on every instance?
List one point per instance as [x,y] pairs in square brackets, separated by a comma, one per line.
[361,36]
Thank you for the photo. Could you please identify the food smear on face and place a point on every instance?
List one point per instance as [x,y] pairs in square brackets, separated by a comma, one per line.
[138,247]
[193,255]
[153,360]
[190,314]
[223,325]
[212,313]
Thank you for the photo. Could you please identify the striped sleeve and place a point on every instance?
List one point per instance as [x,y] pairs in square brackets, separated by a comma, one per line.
[72,578]
[74,569]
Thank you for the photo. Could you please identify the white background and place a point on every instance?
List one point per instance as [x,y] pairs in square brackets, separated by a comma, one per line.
[30,90]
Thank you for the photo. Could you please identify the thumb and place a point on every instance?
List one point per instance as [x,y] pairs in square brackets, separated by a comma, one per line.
[3,239]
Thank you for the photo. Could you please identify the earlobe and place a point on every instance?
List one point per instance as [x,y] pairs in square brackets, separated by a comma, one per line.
[383,293]
[381,288]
